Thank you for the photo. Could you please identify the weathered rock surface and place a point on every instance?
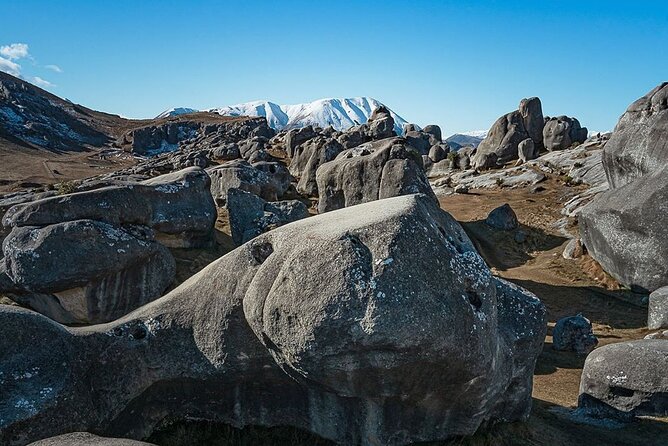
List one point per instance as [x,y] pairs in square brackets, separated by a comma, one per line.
[240,174]
[503,218]
[531,111]
[563,132]
[176,133]
[657,315]
[502,142]
[308,157]
[251,216]
[574,334]
[95,255]
[526,150]
[439,152]
[332,324]
[624,229]
[626,379]
[373,171]
[573,249]
[86,439]
[178,206]
[434,130]
[639,144]
[297,137]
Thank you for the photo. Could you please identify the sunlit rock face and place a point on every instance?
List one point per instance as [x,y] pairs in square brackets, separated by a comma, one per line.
[373,324]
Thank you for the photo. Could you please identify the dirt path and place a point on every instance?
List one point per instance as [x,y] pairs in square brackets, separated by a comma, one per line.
[566,289]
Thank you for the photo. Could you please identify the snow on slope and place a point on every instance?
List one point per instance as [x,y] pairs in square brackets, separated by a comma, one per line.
[482,134]
[176,111]
[276,116]
[340,113]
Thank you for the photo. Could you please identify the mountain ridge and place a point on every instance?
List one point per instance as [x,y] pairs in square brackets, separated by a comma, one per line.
[340,113]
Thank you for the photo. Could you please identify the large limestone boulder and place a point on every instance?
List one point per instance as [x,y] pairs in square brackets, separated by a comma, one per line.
[503,139]
[333,324]
[639,144]
[86,439]
[308,157]
[434,130]
[531,111]
[177,206]
[240,174]
[373,171]
[626,379]
[657,312]
[93,256]
[250,215]
[563,132]
[624,228]
[84,271]
[297,137]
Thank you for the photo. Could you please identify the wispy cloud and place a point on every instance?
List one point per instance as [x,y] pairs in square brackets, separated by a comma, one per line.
[42,82]
[10,67]
[14,51]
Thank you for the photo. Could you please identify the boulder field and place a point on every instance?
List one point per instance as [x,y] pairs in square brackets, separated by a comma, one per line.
[93,256]
[373,324]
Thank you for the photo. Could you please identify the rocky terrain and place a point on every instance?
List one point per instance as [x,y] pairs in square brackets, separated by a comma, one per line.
[210,277]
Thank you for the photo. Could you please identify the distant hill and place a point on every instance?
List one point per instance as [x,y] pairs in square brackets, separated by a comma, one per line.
[459,140]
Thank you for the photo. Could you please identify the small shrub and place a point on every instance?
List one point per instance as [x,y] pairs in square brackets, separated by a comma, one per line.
[66,187]
[570,181]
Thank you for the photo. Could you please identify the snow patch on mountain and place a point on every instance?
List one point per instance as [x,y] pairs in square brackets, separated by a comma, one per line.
[482,134]
[176,112]
[340,113]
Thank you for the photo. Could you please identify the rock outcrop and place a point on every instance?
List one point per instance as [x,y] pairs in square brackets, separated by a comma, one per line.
[574,334]
[266,180]
[306,159]
[373,171]
[251,216]
[626,379]
[624,228]
[188,132]
[503,218]
[639,144]
[93,256]
[333,324]
[502,142]
[657,313]
[86,439]
[563,132]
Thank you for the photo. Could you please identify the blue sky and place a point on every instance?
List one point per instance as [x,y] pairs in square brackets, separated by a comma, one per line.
[457,64]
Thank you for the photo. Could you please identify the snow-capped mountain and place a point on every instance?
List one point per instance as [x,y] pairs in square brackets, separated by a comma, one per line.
[340,113]
[176,111]
[482,134]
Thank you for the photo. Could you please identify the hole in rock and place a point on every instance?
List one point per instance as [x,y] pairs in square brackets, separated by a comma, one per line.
[474,299]
[621,392]
[139,332]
